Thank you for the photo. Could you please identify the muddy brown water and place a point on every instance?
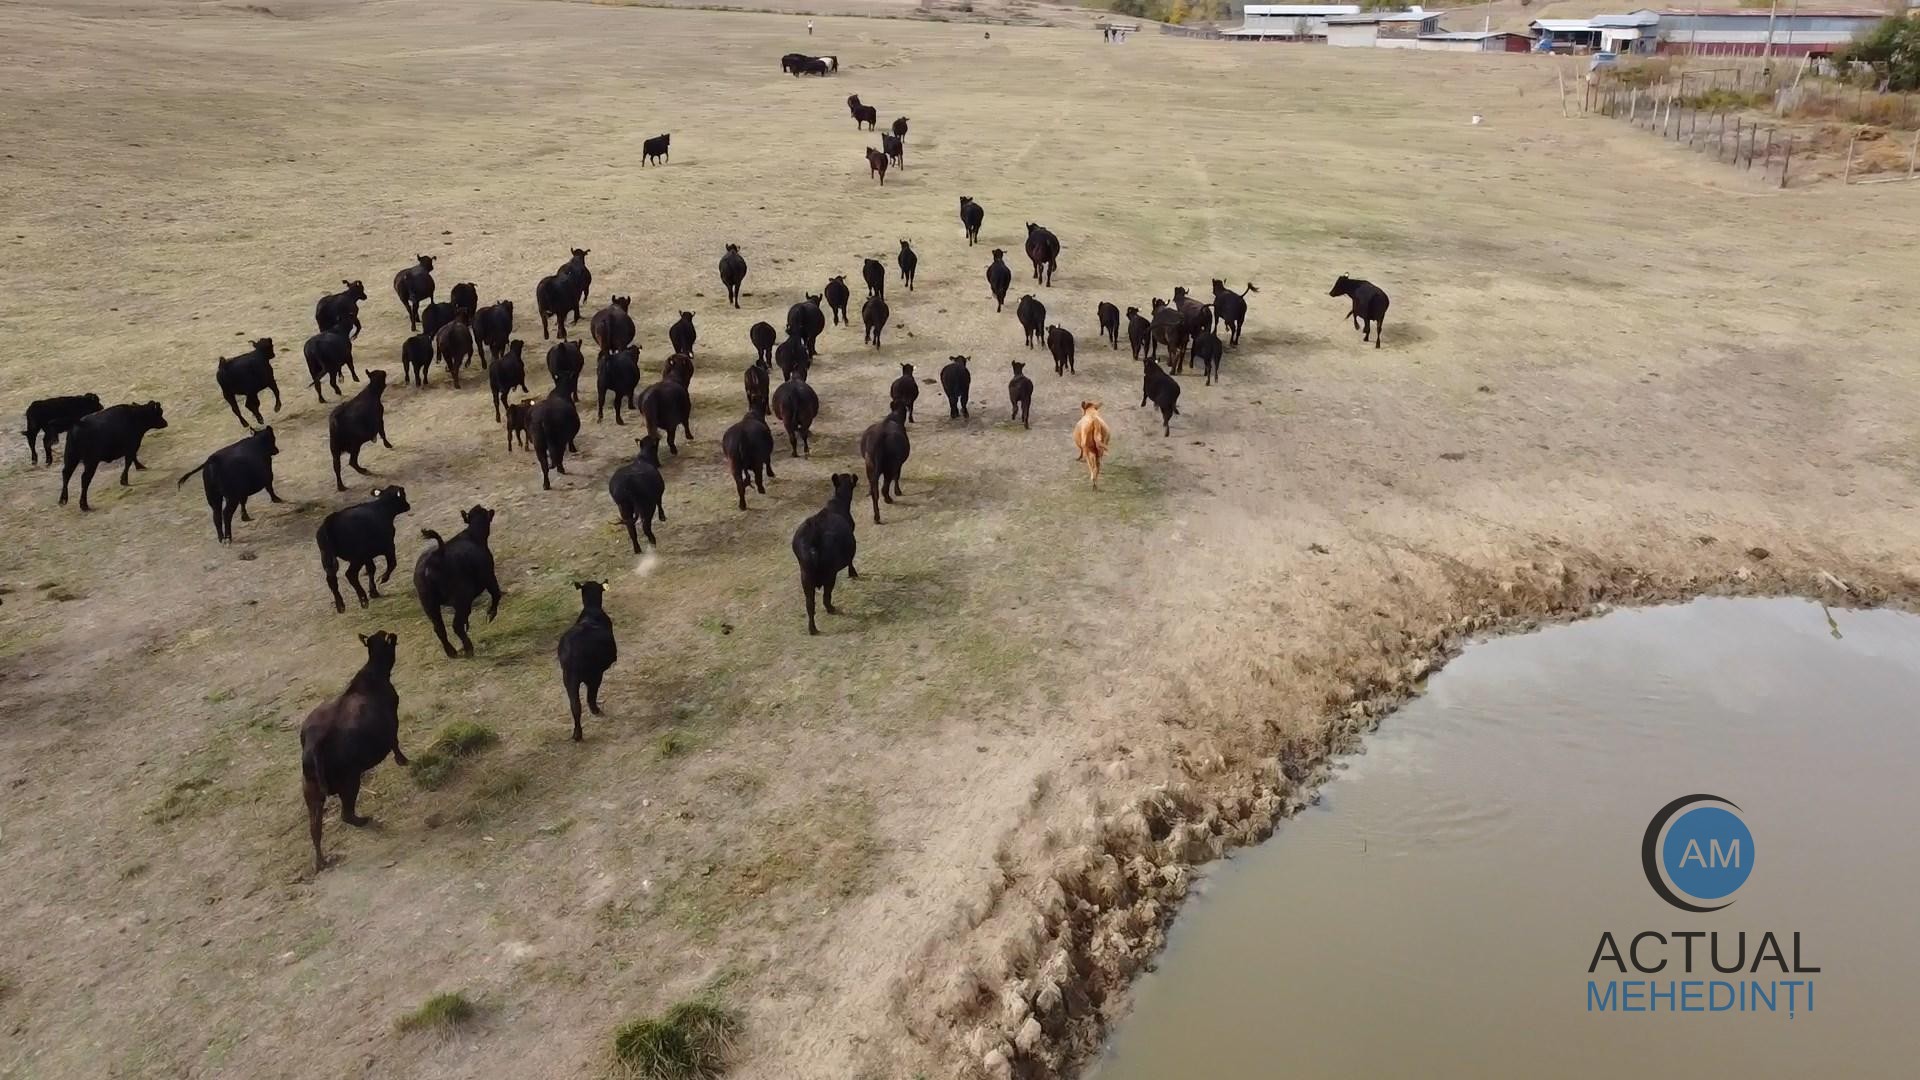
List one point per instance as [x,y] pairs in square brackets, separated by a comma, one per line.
[1435,915]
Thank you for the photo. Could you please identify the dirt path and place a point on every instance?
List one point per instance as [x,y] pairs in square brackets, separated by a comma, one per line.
[1609,373]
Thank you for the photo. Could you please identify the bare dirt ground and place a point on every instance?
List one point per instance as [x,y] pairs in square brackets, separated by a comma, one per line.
[937,839]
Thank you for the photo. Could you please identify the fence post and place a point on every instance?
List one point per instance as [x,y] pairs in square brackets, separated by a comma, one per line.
[1846,177]
[1786,162]
[1769,162]
[1913,155]
[1720,151]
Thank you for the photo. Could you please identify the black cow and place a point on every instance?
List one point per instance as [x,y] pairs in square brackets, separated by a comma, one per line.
[863,115]
[618,374]
[612,327]
[1194,315]
[806,321]
[795,403]
[1206,354]
[559,296]
[873,319]
[999,276]
[1060,344]
[884,448]
[241,376]
[681,335]
[900,127]
[416,359]
[733,271]
[413,285]
[956,381]
[1109,316]
[328,353]
[341,740]
[112,434]
[233,474]
[436,315]
[1044,249]
[666,405]
[1020,393]
[566,362]
[554,423]
[493,328]
[877,163]
[1163,390]
[453,345]
[1231,308]
[904,391]
[341,307]
[576,267]
[909,262]
[466,297]
[763,336]
[358,535]
[1369,311]
[791,358]
[1139,334]
[586,651]
[875,275]
[824,544]
[453,573]
[754,381]
[895,148]
[1169,329]
[654,150]
[1033,320]
[520,422]
[508,371]
[837,295]
[748,448]
[679,369]
[50,418]
[639,491]
[971,215]
[356,422]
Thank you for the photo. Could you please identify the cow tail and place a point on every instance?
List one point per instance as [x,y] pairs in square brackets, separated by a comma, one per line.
[328,560]
[189,474]
[312,768]
[435,537]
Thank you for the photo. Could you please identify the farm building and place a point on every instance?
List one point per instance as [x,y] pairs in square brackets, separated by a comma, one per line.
[1474,41]
[1744,32]
[1286,22]
[1565,35]
[1382,29]
[1731,32]
[1634,32]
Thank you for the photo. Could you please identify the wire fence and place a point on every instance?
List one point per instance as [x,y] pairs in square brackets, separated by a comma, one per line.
[1728,135]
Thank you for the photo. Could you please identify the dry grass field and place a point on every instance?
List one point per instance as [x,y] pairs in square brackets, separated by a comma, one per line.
[1611,369]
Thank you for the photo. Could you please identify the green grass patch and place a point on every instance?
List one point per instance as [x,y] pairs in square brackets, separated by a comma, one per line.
[673,742]
[462,738]
[441,1012]
[690,1041]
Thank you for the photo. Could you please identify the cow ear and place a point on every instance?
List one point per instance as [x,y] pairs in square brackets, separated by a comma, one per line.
[363,638]
[464,517]
[375,493]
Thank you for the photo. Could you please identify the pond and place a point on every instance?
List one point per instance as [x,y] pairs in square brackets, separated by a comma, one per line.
[1437,913]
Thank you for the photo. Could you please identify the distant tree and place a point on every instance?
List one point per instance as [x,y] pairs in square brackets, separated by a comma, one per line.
[1893,48]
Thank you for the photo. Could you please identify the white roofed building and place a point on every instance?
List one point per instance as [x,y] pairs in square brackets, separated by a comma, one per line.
[1286,22]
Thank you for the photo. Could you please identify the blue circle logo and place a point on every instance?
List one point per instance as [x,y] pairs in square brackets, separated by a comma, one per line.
[1697,849]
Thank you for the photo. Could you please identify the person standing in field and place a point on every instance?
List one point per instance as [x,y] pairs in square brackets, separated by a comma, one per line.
[809,27]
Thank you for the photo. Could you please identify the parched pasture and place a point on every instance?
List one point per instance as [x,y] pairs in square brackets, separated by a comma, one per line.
[1598,353]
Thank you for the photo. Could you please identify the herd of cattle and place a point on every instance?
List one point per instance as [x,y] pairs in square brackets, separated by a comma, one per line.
[346,737]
